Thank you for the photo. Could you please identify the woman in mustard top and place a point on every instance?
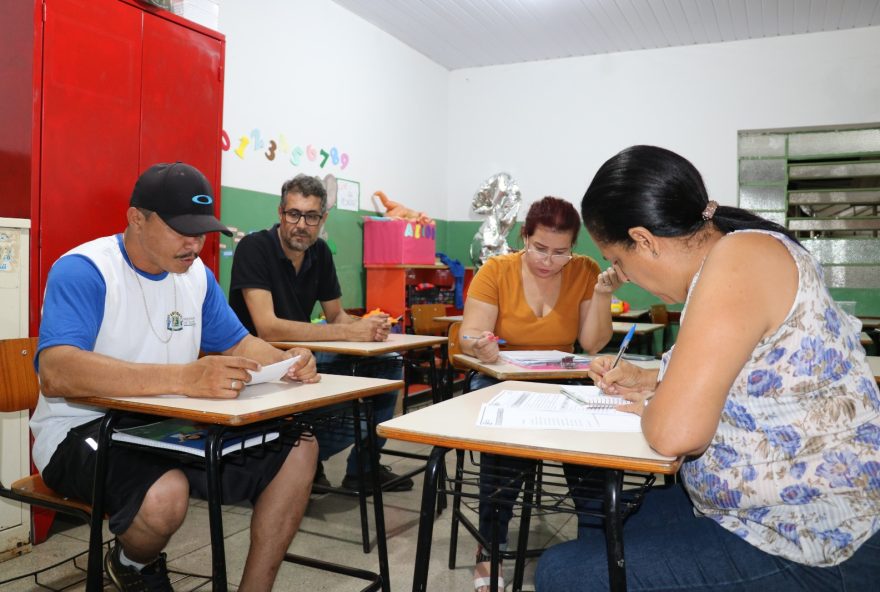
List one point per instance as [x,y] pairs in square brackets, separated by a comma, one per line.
[543,297]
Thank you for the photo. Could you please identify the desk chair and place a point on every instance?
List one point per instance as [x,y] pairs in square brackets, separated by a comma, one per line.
[659,314]
[425,362]
[453,346]
[19,391]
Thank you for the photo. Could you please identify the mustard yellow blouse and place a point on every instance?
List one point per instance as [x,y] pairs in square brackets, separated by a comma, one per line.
[499,282]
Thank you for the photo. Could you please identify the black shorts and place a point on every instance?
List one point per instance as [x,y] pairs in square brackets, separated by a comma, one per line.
[132,471]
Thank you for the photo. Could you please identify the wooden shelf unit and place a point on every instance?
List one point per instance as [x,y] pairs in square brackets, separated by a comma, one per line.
[387,285]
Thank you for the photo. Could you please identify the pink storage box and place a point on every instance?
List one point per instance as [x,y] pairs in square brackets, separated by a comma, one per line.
[391,242]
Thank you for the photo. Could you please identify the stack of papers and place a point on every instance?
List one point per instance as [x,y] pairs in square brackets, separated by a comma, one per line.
[555,411]
[540,357]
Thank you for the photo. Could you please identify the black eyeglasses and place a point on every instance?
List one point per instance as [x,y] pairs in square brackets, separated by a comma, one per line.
[293,217]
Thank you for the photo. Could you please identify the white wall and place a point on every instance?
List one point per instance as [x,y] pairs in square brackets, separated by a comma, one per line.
[320,75]
[551,124]
[427,137]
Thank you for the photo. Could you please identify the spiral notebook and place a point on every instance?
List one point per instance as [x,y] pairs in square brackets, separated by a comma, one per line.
[183,436]
[591,397]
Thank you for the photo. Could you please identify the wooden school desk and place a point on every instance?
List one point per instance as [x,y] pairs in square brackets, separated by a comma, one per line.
[632,314]
[870,322]
[874,362]
[256,404]
[644,334]
[396,343]
[452,425]
[503,370]
[449,319]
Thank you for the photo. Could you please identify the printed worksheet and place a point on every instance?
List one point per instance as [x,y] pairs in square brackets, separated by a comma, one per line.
[552,411]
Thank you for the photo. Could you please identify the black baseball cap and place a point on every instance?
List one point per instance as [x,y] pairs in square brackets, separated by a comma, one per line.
[181,195]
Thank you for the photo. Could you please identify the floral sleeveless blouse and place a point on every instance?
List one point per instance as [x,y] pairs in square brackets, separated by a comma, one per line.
[794,467]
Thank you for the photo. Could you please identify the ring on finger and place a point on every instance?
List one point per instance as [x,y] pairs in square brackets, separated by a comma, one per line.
[234,385]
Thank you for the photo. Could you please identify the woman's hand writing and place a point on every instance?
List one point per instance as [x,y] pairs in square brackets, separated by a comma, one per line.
[622,379]
[486,348]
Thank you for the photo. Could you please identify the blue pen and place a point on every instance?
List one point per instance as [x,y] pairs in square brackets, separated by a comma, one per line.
[624,344]
[498,340]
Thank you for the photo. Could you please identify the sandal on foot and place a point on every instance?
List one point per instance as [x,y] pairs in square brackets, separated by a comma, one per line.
[483,573]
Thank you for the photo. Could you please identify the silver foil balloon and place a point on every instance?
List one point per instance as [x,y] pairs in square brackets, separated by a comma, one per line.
[498,198]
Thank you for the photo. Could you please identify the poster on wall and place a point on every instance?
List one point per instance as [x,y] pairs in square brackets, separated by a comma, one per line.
[348,195]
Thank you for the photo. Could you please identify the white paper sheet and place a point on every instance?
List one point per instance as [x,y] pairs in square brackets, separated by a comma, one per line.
[348,194]
[552,411]
[272,372]
[540,357]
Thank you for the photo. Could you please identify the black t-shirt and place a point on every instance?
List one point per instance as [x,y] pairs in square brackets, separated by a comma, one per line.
[260,262]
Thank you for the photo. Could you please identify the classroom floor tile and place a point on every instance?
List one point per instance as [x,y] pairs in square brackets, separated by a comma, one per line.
[330,531]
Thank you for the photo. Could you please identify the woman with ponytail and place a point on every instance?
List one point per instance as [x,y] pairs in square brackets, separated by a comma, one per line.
[767,394]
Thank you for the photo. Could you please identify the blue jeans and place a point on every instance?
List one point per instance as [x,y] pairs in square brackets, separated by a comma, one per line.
[668,548]
[500,477]
[332,441]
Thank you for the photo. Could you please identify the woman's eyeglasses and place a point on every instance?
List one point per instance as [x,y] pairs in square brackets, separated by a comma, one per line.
[293,216]
[540,255]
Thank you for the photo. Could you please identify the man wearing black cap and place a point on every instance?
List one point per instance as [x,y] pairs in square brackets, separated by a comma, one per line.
[127,315]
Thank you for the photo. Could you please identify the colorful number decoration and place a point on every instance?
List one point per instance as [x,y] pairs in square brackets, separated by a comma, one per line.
[323,157]
[296,156]
[258,141]
[242,144]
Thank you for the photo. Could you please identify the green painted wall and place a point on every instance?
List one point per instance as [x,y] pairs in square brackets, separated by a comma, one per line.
[248,211]
[460,234]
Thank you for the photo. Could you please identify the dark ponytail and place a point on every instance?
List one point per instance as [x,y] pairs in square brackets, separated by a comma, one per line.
[728,219]
[661,191]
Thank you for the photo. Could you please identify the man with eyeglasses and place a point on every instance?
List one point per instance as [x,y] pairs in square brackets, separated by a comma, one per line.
[278,275]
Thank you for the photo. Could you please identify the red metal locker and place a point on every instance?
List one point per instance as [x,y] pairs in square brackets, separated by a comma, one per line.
[95,92]
[182,104]
[90,124]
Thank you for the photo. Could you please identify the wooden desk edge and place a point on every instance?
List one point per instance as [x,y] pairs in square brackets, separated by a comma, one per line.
[605,461]
[523,374]
[237,420]
[641,328]
[354,351]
